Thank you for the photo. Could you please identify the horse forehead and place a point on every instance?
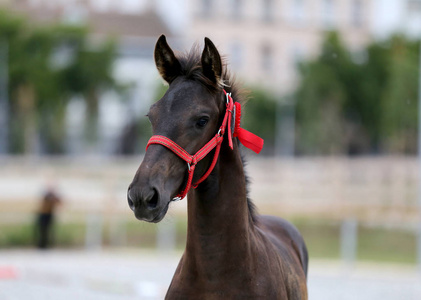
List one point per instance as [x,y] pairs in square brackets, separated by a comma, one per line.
[186,95]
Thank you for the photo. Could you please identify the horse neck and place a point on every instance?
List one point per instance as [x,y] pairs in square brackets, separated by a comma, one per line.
[218,212]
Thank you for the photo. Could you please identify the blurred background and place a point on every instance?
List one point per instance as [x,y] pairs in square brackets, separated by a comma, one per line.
[334,90]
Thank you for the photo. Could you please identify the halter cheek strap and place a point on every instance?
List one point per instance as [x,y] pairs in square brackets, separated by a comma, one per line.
[247,138]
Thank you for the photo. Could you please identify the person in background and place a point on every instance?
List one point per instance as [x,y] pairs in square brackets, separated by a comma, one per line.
[45,218]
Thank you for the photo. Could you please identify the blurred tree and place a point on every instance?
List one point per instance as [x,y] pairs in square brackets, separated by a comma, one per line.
[11,34]
[345,105]
[399,118]
[259,116]
[89,75]
[48,66]
[321,98]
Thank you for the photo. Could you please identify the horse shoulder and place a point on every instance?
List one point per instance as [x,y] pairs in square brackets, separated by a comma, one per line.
[282,236]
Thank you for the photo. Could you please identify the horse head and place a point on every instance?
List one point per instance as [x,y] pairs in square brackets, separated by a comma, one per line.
[189,115]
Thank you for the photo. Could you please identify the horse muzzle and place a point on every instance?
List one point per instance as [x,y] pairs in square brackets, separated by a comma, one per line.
[147,204]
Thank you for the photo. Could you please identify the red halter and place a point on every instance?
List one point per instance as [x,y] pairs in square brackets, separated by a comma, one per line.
[247,138]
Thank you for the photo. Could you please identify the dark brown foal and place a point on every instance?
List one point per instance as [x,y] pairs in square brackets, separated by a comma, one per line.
[231,251]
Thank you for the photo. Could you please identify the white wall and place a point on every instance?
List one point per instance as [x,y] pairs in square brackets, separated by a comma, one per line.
[390,16]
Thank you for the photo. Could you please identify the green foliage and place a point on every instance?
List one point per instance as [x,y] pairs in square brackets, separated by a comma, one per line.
[398,123]
[42,81]
[322,238]
[21,235]
[377,244]
[344,105]
[259,117]
[374,243]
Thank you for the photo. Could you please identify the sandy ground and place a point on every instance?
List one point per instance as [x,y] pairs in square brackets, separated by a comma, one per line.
[133,274]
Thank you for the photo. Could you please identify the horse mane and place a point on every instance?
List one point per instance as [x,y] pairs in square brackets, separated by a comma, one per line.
[191,68]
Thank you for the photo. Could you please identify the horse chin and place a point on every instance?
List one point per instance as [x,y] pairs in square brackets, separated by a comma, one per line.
[152,217]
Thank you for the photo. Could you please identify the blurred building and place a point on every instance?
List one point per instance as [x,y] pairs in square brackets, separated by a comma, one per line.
[264,40]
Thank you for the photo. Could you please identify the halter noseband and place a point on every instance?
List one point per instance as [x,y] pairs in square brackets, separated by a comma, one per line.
[247,138]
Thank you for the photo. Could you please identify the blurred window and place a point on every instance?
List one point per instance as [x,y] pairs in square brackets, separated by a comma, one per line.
[297,55]
[267,58]
[357,13]
[237,9]
[206,9]
[129,6]
[413,6]
[62,56]
[236,56]
[328,13]
[75,14]
[298,11]
[127,50]
[359,56]
[100,5]
[268,11]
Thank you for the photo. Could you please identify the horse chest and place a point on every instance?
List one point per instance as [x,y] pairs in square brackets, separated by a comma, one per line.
[224,290]
[244,281]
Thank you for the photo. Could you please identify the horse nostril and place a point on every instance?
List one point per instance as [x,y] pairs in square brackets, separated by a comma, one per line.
[130,201]
[152,202]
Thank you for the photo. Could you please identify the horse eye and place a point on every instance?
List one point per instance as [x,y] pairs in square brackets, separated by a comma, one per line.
[202,122]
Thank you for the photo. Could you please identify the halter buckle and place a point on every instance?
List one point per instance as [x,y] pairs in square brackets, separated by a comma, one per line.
[175,199]
[228,97]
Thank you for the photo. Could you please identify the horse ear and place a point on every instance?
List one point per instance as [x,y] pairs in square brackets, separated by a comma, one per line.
[167,64]
[211,61]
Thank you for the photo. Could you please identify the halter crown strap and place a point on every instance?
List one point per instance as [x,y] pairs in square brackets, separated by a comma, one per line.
[247,138]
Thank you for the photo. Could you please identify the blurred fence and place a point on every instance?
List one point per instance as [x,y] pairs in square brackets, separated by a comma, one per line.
[381,190]
[378,191]
[372,188]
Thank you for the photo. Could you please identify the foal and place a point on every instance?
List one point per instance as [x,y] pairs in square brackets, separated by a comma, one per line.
[231,251]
